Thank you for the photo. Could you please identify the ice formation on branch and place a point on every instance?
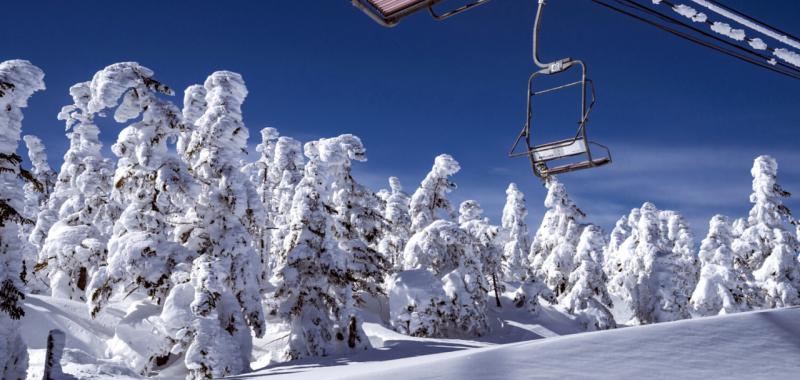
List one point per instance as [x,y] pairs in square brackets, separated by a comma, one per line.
[720,290]
[430,197]
[515,233]
[18,81]
[399,224]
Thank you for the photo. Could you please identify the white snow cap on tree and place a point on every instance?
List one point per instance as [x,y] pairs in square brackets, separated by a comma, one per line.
[587,296]
[18,81]
[430,197]
[194,106]
[719,290]
[515,232]
[485,241]
[36,196]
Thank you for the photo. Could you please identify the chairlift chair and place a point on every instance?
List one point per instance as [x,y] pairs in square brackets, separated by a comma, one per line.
[389,12]
[577,150]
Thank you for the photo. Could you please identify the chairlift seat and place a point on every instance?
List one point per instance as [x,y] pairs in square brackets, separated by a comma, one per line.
[559,149]
[578,166]
[389,12]
[388,8]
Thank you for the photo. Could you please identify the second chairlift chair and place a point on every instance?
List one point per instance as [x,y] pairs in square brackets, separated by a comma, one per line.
[575,152]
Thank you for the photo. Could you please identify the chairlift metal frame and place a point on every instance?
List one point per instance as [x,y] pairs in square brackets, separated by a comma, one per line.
[389,12]
[578,145]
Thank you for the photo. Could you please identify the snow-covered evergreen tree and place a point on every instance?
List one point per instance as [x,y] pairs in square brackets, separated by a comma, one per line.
[652,275]
[74,228]
[431,197]
[313,295]
[485,242]
[719,289]
[586,294]
[152,184]
[448,252]
[287,168]
[36,195]
[194,106]
[764,250]
[399,223]
[18,81]
[555,242]
[515,232]
[225,276]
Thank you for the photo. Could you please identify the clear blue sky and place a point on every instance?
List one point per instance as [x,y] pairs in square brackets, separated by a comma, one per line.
[684,122]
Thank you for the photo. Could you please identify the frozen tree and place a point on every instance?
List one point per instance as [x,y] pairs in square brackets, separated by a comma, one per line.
[612,262]
[765,234]
[651,275]
[556,239]
[265,184]
[73,229]
[531,293]
[448,252]
[310,296]
[152,183]
[36,195]
[18,81]
[358,222]
[515,232]
[586,294]
[225,276]
[288,169]
[431,196]
[485,241]
[719,290]
[399,223]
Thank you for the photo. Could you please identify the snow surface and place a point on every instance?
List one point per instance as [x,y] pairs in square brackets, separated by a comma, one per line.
[763,345]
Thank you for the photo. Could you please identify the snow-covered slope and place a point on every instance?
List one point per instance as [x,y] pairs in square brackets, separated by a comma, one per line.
[755,345]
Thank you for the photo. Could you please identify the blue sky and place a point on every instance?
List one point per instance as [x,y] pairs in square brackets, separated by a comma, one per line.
[684,122]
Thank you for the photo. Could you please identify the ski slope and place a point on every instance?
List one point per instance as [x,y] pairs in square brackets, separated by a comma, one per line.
[754,345]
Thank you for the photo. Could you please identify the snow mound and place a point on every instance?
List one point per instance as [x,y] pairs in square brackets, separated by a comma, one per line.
[760,345]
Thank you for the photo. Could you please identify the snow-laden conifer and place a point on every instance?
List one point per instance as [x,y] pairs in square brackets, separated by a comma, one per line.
[515,233]
[719,289]
[430,199]
[74,228]
[152,184]
[556,239]
[18,81]
[287,168]
[36,195]
[586,294]
[485,242]
[194,106]
[652,274]
[226,303]
[762,250]
[399,223]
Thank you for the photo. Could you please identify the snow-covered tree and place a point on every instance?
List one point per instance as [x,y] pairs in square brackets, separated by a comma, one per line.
[287,168]
[555,242]
[399,223]
[431,197]
[651,274]
[265,184]
[151,183]
[194,106]
[225,276]
[719,290]
[18,81]
[586,294]
[515,232]
[36,195]
[763,249]
[312,295]
[74,228]
[448,252]
[485,241]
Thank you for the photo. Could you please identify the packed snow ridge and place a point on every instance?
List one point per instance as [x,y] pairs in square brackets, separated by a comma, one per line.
[178,259]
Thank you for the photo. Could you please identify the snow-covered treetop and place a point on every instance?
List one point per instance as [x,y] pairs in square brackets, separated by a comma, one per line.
[223,130]
[194,103]
[78,111]
[715,248]
[124,78]
[37,154]
[340,150]
[767,193]
[19,79]
[394,184]
[437,248]
[514,211]
[268,135]
[469,210]
[430,196]
[558,200]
